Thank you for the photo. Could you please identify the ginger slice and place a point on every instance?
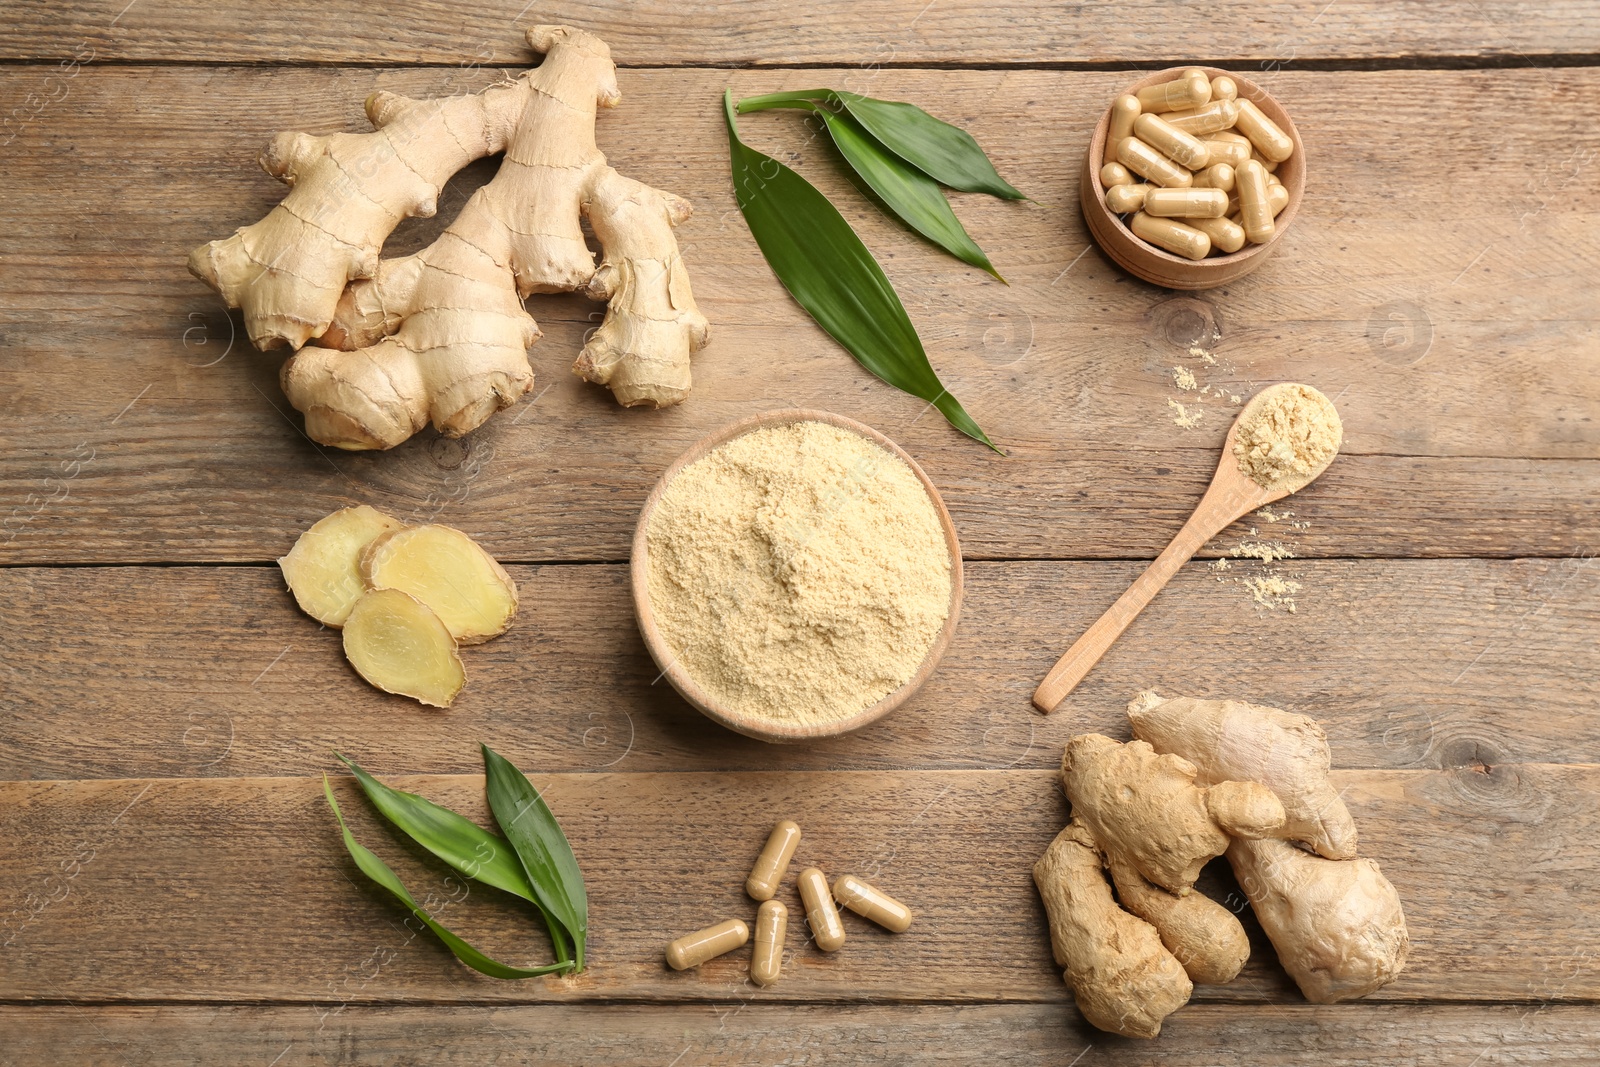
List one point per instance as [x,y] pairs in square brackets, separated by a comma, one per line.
[397,643]
[447,570]
[323,568]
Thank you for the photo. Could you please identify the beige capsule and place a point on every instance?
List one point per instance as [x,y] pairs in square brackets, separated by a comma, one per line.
[766,959]
[1278,197]
[1226,235]
[1266,164]
[1186,203]
[826,928]
[1182,148]
[1214,117]
[1123,199]
[1113,174]
[1124,109]
[1147,162]
[773,861]
[1232,153]
[1224,88]
[1216,176]
[1190,89]
[1269,140]
[870,902]
[1172,235]
[1255,210]
[691,950]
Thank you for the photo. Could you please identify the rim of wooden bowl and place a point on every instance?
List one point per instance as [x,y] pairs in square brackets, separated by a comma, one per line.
[752,726]
[1292,172]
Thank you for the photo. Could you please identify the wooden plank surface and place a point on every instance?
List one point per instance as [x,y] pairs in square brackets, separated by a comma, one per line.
[1349,1035]
[1451,339]
[767,32]
[212,672]
[239,889]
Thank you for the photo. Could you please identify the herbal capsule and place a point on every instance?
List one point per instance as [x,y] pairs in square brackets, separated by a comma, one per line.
[1278,197]
[1171,142]
[1226,235]
[1214,117]
[1146,161]
[1224,88]
[1126,198]
[1114,174]
[1175,237]
[1186,203]
[870,902]
[1255,210]
[1266,164]
[1124,109]
[773,861]
[1269,140]
[1232,153]
[766,959]
[826,929]
[1190,89]
[691,950]
[1216,176]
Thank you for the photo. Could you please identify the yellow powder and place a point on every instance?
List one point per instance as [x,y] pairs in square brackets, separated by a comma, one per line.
[799,572]
[1184,417]
[1271,591]
[1183,377]
[1287,434]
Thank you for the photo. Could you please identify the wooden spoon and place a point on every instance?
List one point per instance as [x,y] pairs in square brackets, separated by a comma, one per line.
[1233,494]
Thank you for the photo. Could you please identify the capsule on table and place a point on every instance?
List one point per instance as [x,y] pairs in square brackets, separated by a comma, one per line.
[1180,147]
[1147,162]
[1214,117]
[1226,235]
[1113,174]
[766,959]
[1278,197]
[691,950]
[1255,210]
[870,902]
[1186,203]
[1124,109]
[1171,235]
[773,861]
[827,930]
[1125,198]
[1190,89]
[1269,140]
[1216,176]
[1232,153]
[1224,88]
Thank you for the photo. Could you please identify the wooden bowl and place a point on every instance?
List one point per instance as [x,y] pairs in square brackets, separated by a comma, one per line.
[751,726]
[1156,265]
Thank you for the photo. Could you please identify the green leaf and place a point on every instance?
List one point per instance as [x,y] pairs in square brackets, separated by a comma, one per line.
[830,273]
[379,872]
[946,153]
[459,841]
[907,193]
[547,857]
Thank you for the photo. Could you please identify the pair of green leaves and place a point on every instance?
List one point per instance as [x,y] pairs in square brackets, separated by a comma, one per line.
[903,156]
[533,861]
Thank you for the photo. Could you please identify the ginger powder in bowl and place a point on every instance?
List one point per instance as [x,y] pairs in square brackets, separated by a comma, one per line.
[796,576]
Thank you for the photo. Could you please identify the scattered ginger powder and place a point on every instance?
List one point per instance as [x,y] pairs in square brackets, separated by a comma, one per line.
[799,572]
[1287,435]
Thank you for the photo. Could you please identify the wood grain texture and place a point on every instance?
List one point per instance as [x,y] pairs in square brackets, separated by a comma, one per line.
[238,889]
[1223,1035]
[213,672]
[1450,339]
[768,32]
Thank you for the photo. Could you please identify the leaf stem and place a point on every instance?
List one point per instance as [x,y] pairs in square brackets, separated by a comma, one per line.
[805,98]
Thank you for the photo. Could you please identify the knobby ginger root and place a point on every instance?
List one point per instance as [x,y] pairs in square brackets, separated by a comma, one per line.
[442,335]
[1124,979]
[1206,938]
[397,643]
[322,568]
[447,570]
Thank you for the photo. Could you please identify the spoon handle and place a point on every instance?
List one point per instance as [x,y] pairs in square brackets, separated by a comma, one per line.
[1207,521]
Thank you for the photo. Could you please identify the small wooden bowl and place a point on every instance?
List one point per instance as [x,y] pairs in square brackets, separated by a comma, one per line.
[1160,267]
[764,729]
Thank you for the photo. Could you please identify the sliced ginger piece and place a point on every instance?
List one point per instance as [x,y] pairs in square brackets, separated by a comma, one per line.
[448,571]
[323,568]
[397,643]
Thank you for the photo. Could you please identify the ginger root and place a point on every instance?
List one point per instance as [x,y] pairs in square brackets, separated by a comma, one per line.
[321,569]
[397,643]
[442,335]
[448,571]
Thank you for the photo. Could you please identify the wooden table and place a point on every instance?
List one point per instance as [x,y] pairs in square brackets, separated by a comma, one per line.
[172,889]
